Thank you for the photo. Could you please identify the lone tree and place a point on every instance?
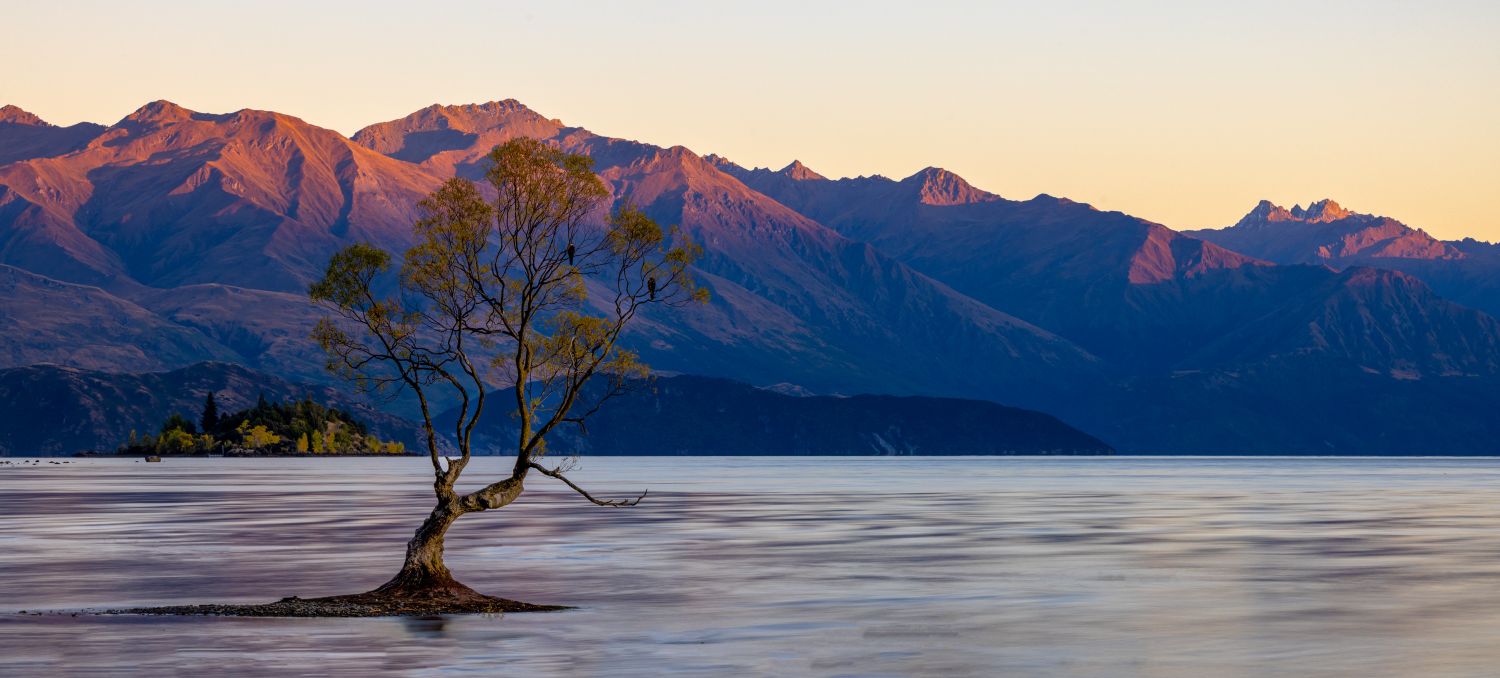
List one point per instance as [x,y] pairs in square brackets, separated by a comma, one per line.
[524,285]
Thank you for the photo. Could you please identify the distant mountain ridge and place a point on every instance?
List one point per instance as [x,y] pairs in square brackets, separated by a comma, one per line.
[1175,314]
[1325,232]
[60,410]
[687,415]
[1126,288]
[195,235]
[1466,271]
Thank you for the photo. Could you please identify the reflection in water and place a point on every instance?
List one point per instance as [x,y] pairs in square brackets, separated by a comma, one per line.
[430,626]
[955,566]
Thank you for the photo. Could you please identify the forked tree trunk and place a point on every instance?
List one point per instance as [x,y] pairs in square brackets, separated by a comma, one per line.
[423,575]
[424,571]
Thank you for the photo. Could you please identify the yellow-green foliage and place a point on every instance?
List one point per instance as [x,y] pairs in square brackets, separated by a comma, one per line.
[299,427]
[256,437]
[177,441]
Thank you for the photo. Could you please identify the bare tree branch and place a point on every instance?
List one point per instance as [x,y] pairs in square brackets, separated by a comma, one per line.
[618,503]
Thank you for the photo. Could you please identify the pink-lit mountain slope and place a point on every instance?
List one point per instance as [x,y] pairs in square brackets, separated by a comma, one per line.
[168,196]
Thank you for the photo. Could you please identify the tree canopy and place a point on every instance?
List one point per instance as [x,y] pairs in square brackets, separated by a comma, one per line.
[523,283]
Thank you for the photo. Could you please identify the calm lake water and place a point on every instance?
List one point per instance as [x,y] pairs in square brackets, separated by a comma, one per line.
[777,566]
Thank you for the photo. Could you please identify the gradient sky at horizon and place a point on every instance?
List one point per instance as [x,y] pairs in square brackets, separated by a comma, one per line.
[1185,113]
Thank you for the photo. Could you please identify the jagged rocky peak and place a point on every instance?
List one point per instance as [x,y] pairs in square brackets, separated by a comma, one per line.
[1265,211]
[476,116]
[500,106]
[19,116]
[800,172]
[1266,207]
[1320,211]
[937,186]
[159,111]
[722,163]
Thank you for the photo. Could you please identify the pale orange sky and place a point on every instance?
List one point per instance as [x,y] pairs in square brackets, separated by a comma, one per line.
[1185,113]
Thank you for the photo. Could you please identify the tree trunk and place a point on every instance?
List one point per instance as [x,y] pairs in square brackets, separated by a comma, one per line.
[424,571]
[424,576]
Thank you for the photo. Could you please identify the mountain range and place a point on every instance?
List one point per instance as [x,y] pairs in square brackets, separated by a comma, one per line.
[172,237]
[1466,271]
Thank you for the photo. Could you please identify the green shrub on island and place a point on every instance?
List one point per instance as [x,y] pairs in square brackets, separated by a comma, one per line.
[300,427]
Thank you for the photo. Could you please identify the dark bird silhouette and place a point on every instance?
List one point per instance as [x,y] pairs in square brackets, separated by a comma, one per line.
[570,254]
[651,285]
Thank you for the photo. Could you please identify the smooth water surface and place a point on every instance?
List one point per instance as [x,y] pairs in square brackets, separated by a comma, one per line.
[776,566]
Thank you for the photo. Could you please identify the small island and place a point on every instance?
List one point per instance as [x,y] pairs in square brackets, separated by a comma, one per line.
[297,428]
